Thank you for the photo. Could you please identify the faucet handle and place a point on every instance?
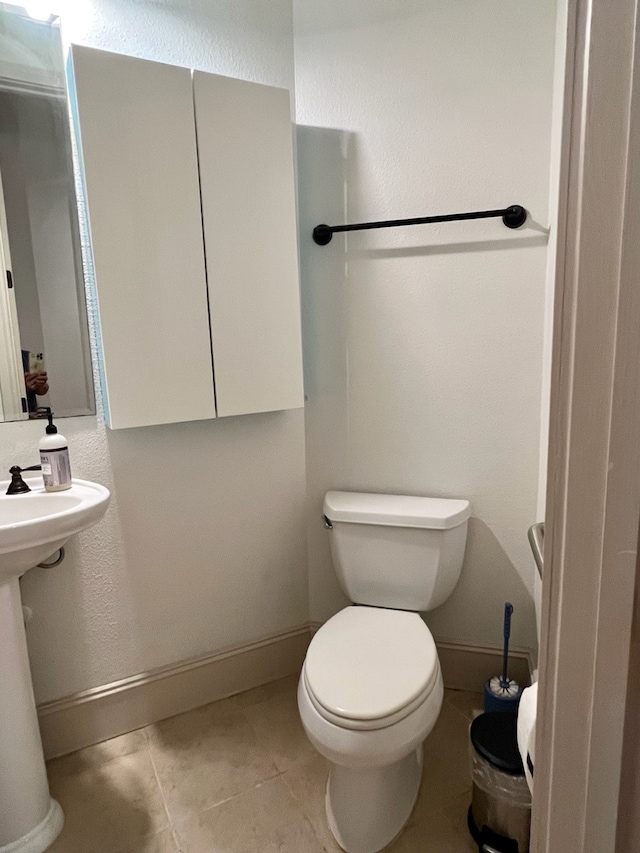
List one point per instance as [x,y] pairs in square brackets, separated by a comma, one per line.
[17,486]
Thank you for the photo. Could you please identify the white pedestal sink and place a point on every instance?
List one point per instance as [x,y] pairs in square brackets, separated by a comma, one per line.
[33,526]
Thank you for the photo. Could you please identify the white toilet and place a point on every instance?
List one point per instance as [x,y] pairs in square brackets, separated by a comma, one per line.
[371,687]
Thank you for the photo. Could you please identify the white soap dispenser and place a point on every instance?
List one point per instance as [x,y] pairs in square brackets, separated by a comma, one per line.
[54,458]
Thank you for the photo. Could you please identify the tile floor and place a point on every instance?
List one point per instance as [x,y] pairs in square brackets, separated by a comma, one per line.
[239,776]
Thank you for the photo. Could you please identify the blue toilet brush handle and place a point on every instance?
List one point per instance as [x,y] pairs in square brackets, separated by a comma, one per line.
[508,610]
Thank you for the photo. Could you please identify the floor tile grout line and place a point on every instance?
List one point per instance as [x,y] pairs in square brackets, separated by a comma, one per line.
[238,712]
[309,823]
[283,774]
[456,709]
[289,789]
[93,764]
[195,815]
[177,844]
[160,788]
[256,735]
[300,803]
[462,714]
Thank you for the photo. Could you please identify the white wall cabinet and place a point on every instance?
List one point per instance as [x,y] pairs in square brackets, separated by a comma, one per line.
[190,198]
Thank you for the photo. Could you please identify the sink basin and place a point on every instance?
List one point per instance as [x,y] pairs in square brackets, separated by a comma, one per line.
[35,524]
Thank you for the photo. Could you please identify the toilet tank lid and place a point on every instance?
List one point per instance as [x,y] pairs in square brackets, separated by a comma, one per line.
[396,510]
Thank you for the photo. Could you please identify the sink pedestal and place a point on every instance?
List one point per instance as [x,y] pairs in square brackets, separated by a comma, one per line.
[33,526]
[30,820]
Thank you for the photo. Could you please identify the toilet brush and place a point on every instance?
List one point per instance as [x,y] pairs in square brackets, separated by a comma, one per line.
[502,693]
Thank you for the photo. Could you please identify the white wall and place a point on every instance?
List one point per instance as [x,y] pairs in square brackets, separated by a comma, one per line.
[423,345]
[554,201]
[204,543]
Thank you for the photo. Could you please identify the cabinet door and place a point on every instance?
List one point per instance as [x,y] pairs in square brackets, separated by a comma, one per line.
[136,129]
[249,220]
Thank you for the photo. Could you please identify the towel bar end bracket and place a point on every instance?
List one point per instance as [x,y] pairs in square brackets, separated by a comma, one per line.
[322,234]
[515,216]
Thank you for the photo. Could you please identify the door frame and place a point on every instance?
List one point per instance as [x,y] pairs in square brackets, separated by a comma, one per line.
[593,491]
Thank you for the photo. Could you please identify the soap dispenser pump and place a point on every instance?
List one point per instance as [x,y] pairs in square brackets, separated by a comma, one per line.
[54,458]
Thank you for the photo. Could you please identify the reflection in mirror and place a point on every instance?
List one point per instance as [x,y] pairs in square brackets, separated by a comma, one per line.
[44,342]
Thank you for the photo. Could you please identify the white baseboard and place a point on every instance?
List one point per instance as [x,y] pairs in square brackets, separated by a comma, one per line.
[104,712]
[83,719]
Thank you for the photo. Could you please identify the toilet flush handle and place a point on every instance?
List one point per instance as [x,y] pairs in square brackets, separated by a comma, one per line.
[327,523]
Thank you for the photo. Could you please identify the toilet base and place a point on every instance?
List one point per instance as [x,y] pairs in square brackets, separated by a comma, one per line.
[368,807]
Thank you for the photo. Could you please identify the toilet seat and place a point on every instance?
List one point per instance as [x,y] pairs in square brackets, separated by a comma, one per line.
[365,725]
[369,667]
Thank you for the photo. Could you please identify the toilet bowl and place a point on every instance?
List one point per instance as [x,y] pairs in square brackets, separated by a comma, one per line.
[369,694]
[371,687]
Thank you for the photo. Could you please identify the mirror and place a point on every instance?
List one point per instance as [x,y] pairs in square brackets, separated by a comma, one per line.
[44,341]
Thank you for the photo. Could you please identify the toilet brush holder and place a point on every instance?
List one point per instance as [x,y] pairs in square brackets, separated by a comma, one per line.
[502,693]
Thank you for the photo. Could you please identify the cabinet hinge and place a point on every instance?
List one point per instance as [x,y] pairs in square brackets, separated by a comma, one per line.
[9,280]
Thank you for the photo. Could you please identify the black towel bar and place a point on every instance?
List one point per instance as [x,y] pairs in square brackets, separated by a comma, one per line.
[513,217]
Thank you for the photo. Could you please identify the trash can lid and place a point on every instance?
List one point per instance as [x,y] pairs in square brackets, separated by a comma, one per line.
[494,737]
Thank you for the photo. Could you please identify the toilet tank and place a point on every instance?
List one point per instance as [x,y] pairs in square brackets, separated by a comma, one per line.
[397,551]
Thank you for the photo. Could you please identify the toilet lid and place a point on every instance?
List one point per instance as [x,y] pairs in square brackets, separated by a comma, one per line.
[367,663]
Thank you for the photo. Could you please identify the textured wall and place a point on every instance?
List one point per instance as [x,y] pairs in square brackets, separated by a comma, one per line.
[249,39]
[424,345]
[204,543]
